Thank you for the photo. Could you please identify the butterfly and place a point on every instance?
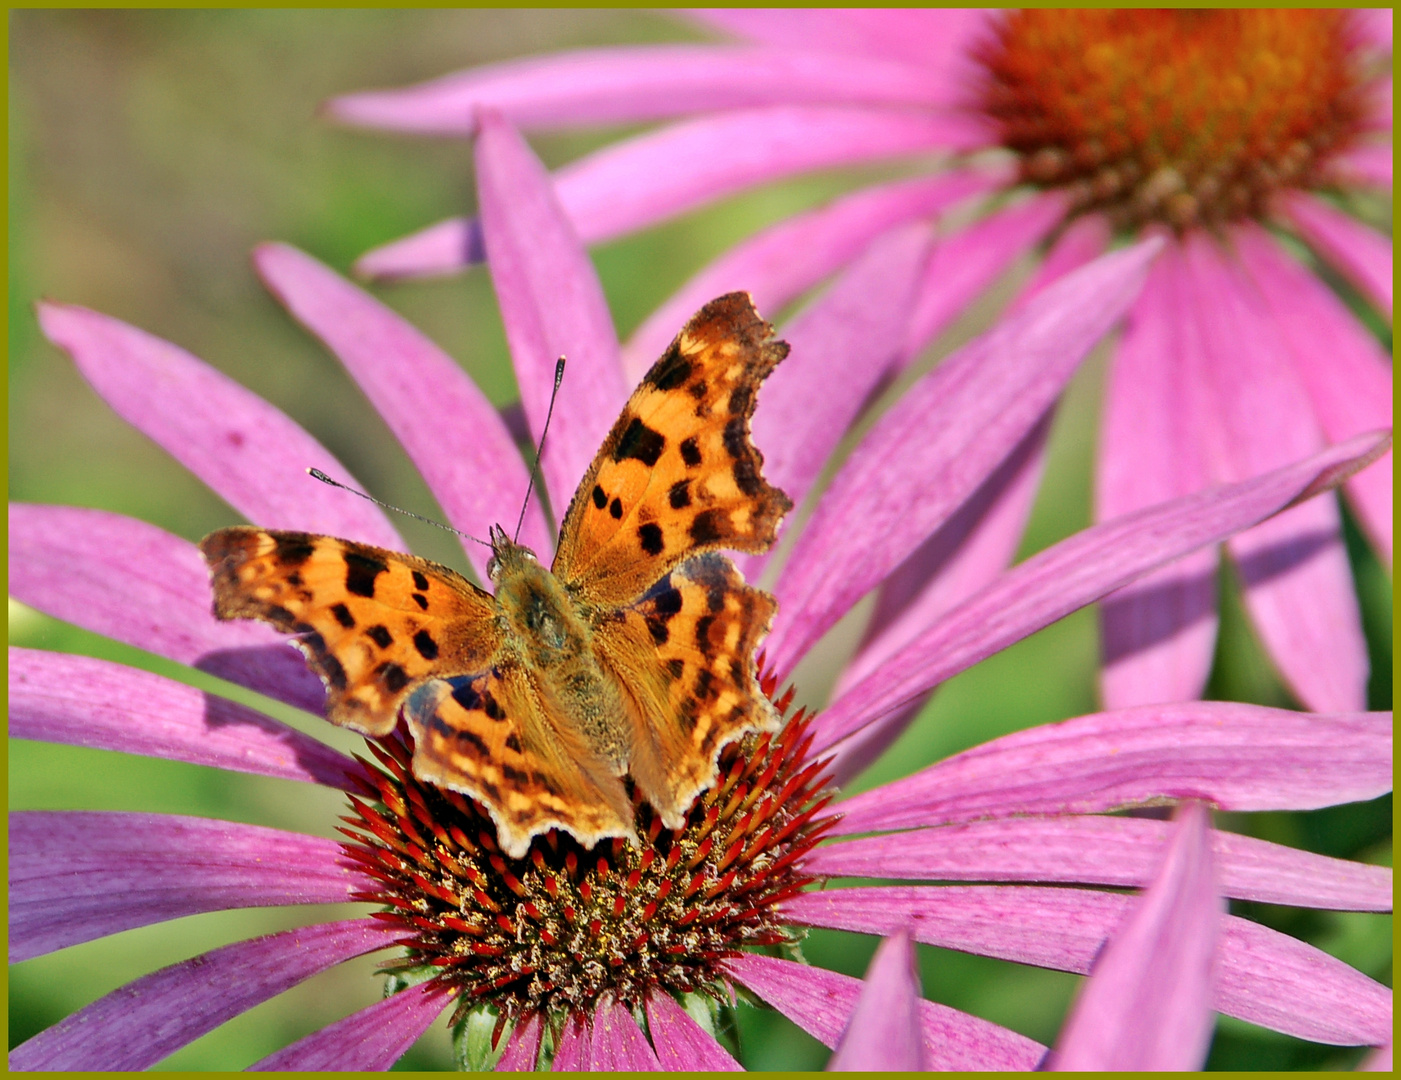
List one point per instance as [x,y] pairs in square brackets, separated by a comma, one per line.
[632,654]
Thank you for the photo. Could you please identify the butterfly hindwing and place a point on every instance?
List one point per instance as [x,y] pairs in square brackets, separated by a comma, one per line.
[488,736]
[678,474]
[372,623]
[684,655]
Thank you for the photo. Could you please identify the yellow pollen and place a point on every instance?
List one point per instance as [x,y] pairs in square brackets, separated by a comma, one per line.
[1184,117]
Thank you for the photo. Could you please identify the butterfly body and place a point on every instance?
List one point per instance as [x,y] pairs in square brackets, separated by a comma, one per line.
[632,654]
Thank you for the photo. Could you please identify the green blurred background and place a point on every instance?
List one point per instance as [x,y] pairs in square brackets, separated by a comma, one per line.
[149,151]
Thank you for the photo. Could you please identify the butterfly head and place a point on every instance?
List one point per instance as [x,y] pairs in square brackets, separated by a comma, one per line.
[508,558]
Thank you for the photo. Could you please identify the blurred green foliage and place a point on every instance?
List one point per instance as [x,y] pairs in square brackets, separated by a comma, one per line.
[149,151]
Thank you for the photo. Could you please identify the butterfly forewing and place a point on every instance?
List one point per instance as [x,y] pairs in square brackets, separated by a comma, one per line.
[678,474]
[372,623]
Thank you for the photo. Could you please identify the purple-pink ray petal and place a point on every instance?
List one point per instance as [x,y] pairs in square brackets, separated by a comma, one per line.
[1344,368]
[522,1046]
[682,1045]
[1368,165]
[883,1033]
[962,556]
[936,38]
[253,455]
[842,348]
[1098,850]
[145,1021]
[638,83]
[1235,756]
[1147,1003]
[572,1049]
[965,264]
[1078,571]
[372,1039]
[946,435]
[67,866]
[616,1043]
[1377,1061]
[83,701]
[820,1001]
[636,183]
[1159,634]
[551,304]
[131,581]
[452,433]
[1294,568]
[1263,976]
[828,237]
[1358,252]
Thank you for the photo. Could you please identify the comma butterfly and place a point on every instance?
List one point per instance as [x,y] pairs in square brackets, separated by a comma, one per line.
[633,653]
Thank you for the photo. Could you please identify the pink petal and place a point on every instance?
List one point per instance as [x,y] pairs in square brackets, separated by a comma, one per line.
[83,701]
[1262,976]
[1342,365]
[1358,252]
[948,433]
[636,83]
[131,581]
[372,1039]
[682,1044]
[636,183]
[935,38]
[1147,1003]
[453,434]
[1367,165]
[966,553]
[1097,850]
[852,337]
[820,1002]
[66,866]
[572,1049]
[965,264]
[1237,757]
[1159,634]
[617,1043]
[147,1020]
[552,306]
[1078,571]
[829,237]
[250,453]
[883,1033]
[522,1046]
[1297,581]
[1377,1061]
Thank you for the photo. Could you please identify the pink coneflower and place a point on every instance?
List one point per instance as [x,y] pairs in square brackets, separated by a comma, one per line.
[1249,138]
[616,957]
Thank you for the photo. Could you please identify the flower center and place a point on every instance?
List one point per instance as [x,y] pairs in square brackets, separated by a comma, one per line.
[1186,116]
[553,932]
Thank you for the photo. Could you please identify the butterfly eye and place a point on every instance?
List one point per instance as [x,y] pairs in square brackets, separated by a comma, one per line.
[493,567]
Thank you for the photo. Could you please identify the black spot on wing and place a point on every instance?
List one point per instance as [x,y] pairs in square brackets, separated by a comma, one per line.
[513,743]
[703,625]
[421,601]
[690,453]
[676,667]
[426,646]
[600,497]
[680,495]
[458,735]
[293,548]
[393,676]
[650,537]
[705,684]
[709,526]
[381,636]
[615,508]
[420,580]
[736,437]
[492,707]
[361,569]
[670,371]
[465,694]
[640,442]
[343,616]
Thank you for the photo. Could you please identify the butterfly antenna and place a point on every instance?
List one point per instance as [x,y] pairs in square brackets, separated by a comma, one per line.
[559,378]
[317,474]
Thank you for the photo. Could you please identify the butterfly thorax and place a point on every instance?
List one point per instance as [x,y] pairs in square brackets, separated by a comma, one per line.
[549,634]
